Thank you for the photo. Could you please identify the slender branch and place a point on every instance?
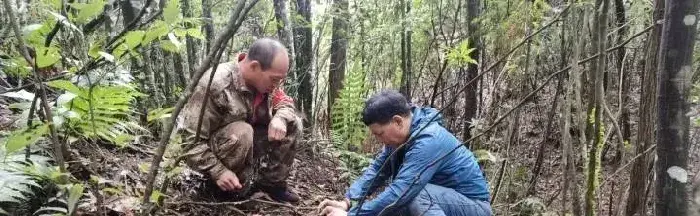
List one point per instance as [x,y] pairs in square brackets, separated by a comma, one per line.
[223,37]
[58,148]
[129,26]
[610,177]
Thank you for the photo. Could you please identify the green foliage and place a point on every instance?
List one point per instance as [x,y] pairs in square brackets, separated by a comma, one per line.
[24,137]
[460,56]
[171,12]
[105,113]
[347,110]
[24,180]
[87,11]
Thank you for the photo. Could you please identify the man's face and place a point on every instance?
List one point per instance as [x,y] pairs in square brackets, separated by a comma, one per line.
[268,80]
[392,133]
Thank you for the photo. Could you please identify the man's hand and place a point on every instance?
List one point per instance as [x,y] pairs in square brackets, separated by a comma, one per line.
[332,211]
[277,130]
[343,205]
[228,181]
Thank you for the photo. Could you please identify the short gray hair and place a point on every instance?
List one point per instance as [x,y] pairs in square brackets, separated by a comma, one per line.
[264,51]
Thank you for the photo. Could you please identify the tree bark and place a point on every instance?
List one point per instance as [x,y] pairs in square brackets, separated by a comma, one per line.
[208,24]
[285,35]
[303,46]
[405,50]
[598,69]
[190,43]
[624,77]
[674,84]
[636,195]
[339,46]
[470,106]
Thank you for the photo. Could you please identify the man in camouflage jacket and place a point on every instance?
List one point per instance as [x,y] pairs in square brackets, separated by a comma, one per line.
[248,121]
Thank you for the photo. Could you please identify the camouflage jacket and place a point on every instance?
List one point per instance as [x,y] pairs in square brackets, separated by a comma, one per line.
[230,100]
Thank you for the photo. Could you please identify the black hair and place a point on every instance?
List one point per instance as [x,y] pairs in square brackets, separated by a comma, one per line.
[384,105]
[264,51]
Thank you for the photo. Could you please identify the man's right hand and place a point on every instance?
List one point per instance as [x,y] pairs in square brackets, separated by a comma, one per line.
[228,181]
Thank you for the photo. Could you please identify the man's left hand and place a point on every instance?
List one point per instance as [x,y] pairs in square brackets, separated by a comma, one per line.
[333,211]
[277,130]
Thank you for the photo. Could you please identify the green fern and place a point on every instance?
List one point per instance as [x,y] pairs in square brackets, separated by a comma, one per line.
[105,113]
[347,110]
[21,180]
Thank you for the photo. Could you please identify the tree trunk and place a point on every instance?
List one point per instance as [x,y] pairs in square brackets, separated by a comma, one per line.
[179,71]
[470,100]
[284,33]
[624,78]
[339,46]
[598,69]
[303,46]
[405,50]
[208,24]
[190,43]
[675,72]
[636,195]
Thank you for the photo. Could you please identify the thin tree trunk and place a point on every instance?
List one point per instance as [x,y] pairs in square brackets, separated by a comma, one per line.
[470,106]
[405,50]
[598,68]
[208,24]
[624,77]
[165,70]
[190,46]
[339,46]
[675,72]
[285,35]
[303,46]
[179,71]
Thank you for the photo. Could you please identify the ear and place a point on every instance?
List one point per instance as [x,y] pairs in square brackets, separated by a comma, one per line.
[255,65]
[398,119]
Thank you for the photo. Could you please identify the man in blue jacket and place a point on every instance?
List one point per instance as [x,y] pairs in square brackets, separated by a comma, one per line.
[420,183]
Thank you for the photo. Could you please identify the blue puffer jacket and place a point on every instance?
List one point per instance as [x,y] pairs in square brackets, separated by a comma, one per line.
[459,170]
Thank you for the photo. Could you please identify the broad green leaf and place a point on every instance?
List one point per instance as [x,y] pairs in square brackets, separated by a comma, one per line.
[65,85]
[95,49]
[155,196]
[180,33]
[169,46]
[157,30]
[47,56]
[88,11]
[171,13]
[120,50]
[134,38]
[65,98]
[122,140]
[195,33]
[23,138]
[159,113]
[76,191]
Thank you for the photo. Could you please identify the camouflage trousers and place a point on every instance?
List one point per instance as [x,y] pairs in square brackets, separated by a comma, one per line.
[246,151]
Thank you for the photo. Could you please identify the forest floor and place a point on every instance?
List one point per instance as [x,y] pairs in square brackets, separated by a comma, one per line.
[315,177]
